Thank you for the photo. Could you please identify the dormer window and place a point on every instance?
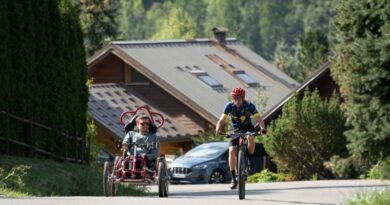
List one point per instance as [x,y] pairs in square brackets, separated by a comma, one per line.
[206,78]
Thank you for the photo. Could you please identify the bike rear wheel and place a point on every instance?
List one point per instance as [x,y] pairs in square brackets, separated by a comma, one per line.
[241,174]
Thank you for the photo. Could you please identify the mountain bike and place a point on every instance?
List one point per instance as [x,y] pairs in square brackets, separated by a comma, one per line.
[242,159]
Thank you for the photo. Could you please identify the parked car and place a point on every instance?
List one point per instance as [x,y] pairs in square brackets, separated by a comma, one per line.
[206,163]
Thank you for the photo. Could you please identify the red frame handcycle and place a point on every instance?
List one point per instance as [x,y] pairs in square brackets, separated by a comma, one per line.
[132,168]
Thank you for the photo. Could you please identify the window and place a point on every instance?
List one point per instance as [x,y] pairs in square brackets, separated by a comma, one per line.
[137,76]
[206,78]
[245,78]
[209,80]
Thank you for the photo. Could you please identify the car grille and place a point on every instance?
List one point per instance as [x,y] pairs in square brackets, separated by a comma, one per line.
[180,170]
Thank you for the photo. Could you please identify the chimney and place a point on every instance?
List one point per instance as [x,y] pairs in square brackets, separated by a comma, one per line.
[220,35]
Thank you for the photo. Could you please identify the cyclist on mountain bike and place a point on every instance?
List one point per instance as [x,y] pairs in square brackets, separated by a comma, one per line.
[240,112]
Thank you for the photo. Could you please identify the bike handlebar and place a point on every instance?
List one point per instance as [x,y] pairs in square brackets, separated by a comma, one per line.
[237,135]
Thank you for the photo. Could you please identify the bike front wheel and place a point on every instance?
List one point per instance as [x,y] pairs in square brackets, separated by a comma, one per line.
[241,174]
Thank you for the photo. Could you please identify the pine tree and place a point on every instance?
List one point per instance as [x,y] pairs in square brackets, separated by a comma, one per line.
[222,13]
[4,55]
[98,20]
[313,52]
[132,17]
[178,26]
[361,68]
[307,134]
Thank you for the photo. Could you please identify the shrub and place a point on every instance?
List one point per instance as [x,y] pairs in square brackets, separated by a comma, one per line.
[380,170]
[307,134]
[268,176]
[377,198]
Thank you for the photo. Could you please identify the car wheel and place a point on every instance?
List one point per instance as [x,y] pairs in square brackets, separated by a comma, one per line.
[217,177]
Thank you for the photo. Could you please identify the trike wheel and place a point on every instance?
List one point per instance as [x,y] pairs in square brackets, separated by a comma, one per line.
[162,180]
[114,186]
[107,170]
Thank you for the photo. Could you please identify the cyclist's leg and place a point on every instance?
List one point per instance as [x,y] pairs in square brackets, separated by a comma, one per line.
[251,144]
[251,151]
[232,162]
[232,158]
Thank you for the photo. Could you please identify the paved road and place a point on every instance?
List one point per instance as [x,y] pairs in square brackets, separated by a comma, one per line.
[288,193]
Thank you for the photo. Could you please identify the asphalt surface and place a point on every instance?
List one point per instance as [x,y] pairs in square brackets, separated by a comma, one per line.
[304,192]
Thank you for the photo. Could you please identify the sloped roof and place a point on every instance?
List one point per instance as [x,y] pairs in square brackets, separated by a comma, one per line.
[173,65]
[323,70]
[108,101]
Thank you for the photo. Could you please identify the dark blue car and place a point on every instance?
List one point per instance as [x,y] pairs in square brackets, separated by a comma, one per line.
[206,163]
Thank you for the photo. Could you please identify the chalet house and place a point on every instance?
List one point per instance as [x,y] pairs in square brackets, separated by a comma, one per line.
[320,80]
[188,81]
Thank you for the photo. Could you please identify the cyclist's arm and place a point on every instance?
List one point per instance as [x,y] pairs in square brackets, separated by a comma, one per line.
[126,141]
[221,123]
[257,119]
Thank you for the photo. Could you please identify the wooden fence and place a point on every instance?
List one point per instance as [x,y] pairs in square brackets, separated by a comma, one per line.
[82,150]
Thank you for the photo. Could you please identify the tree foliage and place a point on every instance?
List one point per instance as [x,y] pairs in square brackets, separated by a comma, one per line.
[260,24]
[98,21]
[178,25]
[43,72]
[313,52]
[307,134]
[361,68]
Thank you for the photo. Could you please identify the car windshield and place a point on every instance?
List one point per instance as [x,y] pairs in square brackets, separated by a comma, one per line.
[208,150]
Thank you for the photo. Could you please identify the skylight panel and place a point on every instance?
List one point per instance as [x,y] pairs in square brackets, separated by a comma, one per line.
[206,78]
[245,78]
[209,81]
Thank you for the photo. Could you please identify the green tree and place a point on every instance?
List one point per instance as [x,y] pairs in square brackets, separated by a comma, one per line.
[132,18]
[4,55]
[361,69]
[313,52]
[286,60]
[249,31]
[222,13]
[98,20]
[177,26]
[197,11]
[318,14]
[307,134]
[272,24]
[44,68]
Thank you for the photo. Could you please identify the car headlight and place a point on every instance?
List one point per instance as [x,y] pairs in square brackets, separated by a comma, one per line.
[201,166]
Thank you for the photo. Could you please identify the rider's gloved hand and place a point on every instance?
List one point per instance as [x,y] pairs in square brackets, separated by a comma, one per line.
[263,131]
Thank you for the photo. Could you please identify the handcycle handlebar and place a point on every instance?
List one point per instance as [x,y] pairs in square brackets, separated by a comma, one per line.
[147,145]
[152,145]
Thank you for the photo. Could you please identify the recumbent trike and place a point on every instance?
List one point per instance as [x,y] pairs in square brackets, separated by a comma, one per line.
[132,167]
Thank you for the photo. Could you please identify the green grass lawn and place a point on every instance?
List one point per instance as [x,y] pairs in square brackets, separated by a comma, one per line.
[43,177]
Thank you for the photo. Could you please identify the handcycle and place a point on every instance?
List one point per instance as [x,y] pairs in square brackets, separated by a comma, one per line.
[242,158]
[132,167]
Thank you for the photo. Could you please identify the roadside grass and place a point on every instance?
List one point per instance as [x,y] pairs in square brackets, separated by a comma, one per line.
[374,198]
[42,177]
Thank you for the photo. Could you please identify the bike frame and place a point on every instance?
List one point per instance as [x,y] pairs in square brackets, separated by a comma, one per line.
[241,167]
[134,161]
